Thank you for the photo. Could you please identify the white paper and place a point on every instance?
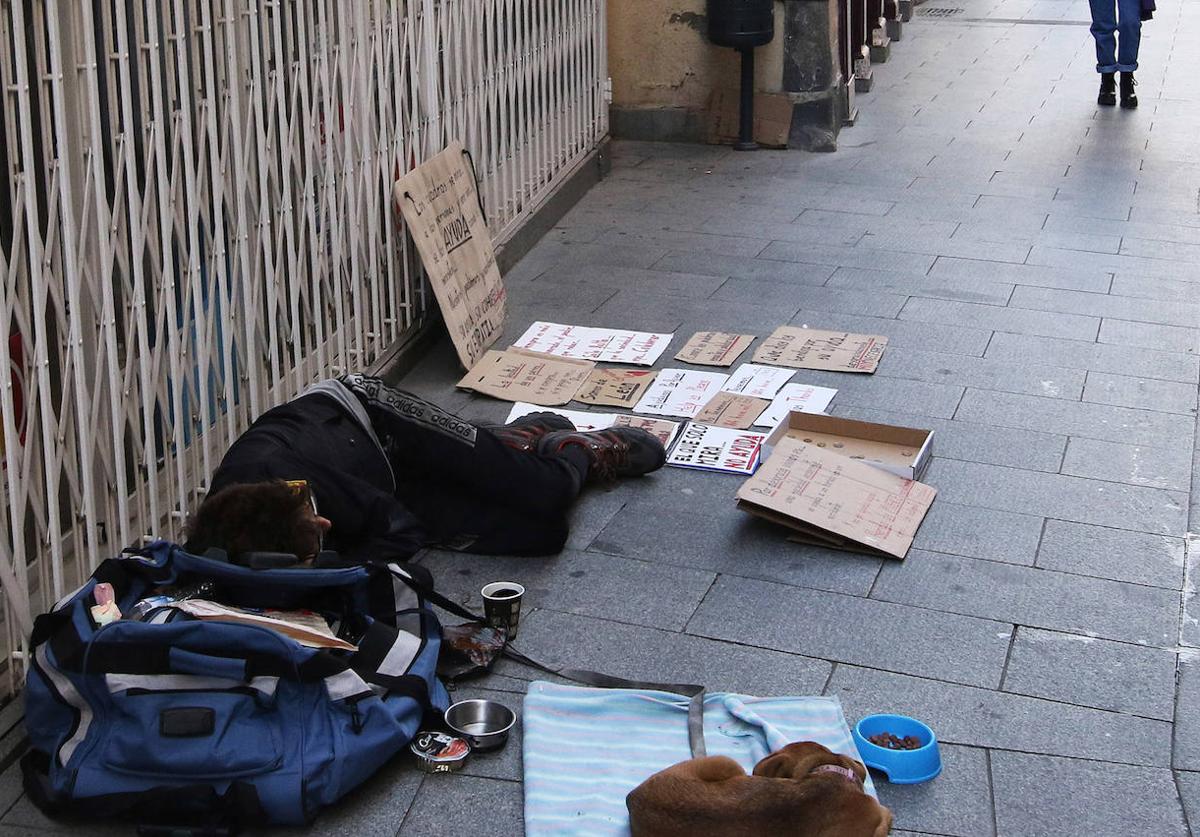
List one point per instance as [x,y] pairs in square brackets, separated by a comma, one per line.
[717,449]
[585,421]
[758,381]
[582,420]
[680,392]
[801,398]
[610,345]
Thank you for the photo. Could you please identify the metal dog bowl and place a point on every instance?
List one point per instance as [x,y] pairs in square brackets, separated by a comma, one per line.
[484,723]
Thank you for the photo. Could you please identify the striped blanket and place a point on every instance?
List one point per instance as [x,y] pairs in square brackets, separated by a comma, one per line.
[585,749]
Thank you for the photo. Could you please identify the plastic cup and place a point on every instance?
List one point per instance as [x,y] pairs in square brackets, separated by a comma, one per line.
[502,605]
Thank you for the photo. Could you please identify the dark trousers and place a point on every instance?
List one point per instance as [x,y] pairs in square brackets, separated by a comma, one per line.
[470,491]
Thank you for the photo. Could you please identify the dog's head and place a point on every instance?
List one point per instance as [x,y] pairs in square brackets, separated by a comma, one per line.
[796,761]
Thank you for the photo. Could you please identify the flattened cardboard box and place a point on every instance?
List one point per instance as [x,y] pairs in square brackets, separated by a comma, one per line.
[518,375]
[714,348]
[772,118]
[811,348]
[615,387]
[903,451]
[831,500]
[728,409]
[441,208]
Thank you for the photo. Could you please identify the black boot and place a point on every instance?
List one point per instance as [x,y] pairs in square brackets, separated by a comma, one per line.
[1108,90]
[617,452]
[1128,97]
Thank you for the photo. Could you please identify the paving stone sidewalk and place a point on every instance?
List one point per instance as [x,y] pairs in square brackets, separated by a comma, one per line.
[1033,260]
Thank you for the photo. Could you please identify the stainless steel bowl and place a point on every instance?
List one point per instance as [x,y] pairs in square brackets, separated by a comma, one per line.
[484,723]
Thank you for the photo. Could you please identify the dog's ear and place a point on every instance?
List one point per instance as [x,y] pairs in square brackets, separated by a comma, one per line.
[793,761]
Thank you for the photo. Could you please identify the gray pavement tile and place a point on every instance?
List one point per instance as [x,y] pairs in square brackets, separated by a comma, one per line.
[962,248]
[691,520]
[1187,722]
[790,297]
[1100,357]
[781,230]
[451,803]
[1165,216]
[623,254]
[847,629]
[802,199]
[1116,554]
[578,582]
[1175,312]
[1157,249]
[964,289]
[651,312]
[897,222]
[1039,795]
[1138,229]
[1131,464]
[963,440]
[847,256]
[586,278]
[1097,281]
[736,266]
[983,373]
[639,653]
[1030,596]
[1086,671]
[986,718]
[997,318]
[666,240]
[980,533]
[1140,393]
[1150,287]
[957,803]
[1063,497]
[934,337]
[880,392]
[593,512]
[1056,257]
[377,807]
[1166,338]
[504,763]
[1188,784]
[1079,418]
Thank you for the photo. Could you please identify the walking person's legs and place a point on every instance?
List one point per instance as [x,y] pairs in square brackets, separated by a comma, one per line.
[1129,38]
[1104,31]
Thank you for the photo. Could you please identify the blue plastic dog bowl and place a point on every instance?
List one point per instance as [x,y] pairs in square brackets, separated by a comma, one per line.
[903,767]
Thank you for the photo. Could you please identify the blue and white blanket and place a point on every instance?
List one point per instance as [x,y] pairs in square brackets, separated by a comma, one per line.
[586,749]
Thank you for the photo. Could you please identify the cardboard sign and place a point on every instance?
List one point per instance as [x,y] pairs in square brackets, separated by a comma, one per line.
[663,429]
[612,345]
[728,409]
[903,451]
[513,375]
[772,118]
[758,381]
[680,392]
[809,348]
[714,348]
[799,398]
[831,500]
[441,208]
[717,449]
[615,387]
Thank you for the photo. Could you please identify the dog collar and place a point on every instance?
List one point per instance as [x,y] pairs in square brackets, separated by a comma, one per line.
[845,772]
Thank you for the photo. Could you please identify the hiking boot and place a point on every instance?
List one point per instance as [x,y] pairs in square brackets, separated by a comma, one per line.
[523,434]
[612,453]
[1128,97]
[1108,90]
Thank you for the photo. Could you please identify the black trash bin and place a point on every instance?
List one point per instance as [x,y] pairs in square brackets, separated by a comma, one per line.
[743,25]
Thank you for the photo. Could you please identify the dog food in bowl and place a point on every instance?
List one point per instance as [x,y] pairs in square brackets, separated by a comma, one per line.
[892,742]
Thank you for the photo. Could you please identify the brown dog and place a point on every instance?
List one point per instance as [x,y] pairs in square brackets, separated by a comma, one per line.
[804,790]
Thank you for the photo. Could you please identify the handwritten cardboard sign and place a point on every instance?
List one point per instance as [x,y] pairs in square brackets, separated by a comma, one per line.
[662,428]
[615,387]
[728,409]
[441,208]
[612,345]
[758,381]
[514,375]
[714,348]
[801,398]
[717,449]
[680,392]
[832,500]
[809,348]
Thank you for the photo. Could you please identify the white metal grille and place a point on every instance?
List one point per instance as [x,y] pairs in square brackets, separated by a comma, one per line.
[195,223]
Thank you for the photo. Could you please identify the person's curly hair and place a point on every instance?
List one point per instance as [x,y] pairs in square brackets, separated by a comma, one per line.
[255,517]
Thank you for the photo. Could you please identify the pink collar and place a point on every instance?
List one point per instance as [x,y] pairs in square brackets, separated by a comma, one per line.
[845,772]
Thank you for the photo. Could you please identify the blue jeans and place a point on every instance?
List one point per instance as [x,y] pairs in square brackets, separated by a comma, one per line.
[1110,59]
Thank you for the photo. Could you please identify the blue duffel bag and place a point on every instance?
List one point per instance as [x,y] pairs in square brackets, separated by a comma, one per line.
[187,721]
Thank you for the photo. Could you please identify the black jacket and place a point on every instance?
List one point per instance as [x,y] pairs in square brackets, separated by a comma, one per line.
[313,438]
